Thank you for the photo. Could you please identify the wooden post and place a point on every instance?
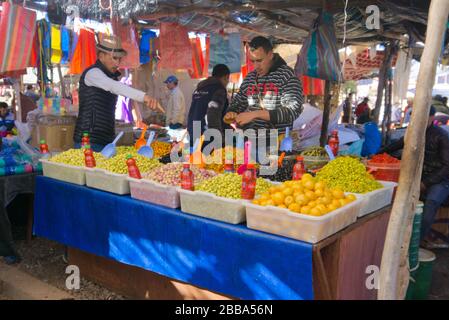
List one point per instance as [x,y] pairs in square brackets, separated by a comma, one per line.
[398,233]
[326,113]
[386,122]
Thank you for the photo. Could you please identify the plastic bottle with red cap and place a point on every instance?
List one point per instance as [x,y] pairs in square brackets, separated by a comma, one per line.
[299,168]
[43,147]
[85,140]
[133,170]
[187,178]
[334,142]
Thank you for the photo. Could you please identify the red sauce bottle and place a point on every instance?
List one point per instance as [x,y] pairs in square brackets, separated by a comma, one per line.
[89,158]
[334,142]
[249,183]
[133,170]
[85,139]
[298,168]
[187,178]
[43,147]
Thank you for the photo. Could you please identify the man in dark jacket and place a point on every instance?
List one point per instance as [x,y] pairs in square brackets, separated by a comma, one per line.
[210,101]
[435,174]
[98,92]
[270,97]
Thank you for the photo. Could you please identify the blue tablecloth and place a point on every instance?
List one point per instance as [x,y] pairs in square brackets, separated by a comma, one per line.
[225,258]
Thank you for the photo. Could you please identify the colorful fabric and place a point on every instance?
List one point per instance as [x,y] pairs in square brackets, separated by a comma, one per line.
[44,54]
[127,33]
[197,59]
[85,53]
[226,50]
[17,29]
[34,55]
[56,52]
[207,59]
[147,47]
[312,86]
[176,50]
[65,44]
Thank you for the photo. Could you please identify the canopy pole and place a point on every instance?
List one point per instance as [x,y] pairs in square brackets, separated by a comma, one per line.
[326,113]
[398,233]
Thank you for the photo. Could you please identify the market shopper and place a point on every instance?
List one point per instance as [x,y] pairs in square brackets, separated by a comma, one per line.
[347,109]
[270,97]
[32,94]
[176,107]
[362,112]
[210,101]
[98,91]
[435,175]
[408,111]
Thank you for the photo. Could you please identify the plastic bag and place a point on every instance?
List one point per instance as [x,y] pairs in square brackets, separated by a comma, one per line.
[319,54]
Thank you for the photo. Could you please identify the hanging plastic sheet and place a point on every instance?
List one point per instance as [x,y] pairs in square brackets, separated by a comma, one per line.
[319,54]
[176,50]
[65,44]
[17,29]
[127,33]
[85,52]
[147,46]
[56,52]
[197,59]
[226,50]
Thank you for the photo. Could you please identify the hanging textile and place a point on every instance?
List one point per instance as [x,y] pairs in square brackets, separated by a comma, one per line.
[176,51]
[17,29]
[225,50]
[85,53]
[147,46]
[34,55]
[43,58]
[56,52]
[197,59]
[73,44]
[128,35]
[312,86]
[65,44]
[207,59]
[319,54]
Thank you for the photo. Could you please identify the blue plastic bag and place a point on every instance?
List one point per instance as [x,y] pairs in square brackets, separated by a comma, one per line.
[373,139]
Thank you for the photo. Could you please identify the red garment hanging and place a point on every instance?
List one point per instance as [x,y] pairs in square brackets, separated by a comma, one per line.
[312,86]
[207,58]
[197,59]
[85,53]
[176,50]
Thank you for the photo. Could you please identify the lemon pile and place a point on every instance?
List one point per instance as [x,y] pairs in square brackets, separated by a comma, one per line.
[307,196]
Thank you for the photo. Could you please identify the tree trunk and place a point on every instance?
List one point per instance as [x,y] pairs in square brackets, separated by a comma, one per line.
[398,233]
[326,113]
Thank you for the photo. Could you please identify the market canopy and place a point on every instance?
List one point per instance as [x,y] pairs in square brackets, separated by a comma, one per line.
[286,21]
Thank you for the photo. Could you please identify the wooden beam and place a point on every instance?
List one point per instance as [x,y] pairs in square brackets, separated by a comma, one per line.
[398,237]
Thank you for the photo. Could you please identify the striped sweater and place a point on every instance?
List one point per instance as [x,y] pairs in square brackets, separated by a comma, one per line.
[280,92]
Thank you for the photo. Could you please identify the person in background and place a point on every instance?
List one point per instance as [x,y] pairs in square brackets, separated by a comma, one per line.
[270,97]
[408,111]
[98,91]
[396,114]
[347,109]
[176,107]
[438,103]
[434,185]
[210,101]
[31,93]
[363,111]
[6,119]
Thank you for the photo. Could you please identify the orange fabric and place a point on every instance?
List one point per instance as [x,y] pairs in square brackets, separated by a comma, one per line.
[197,59]
[85,53]
[207,59]
[235,77]
[34,52]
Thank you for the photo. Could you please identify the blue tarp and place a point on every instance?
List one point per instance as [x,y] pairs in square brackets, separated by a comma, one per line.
[225,258]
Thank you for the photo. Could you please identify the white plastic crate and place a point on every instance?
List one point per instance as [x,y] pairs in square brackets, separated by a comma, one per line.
[299,226]
[64,172]
[211,206]
[153,192]
[107,181]
[377,199]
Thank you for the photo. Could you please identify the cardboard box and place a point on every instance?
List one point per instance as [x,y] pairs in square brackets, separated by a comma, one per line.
[58,137]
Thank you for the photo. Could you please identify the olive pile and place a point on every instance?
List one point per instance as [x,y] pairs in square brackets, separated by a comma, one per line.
[349,174]
[117,164]
[315,152]
[75,157]
[229,185]
[283,173]
[170,174]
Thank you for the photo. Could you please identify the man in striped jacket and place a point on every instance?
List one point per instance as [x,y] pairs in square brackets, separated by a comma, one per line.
[271,96]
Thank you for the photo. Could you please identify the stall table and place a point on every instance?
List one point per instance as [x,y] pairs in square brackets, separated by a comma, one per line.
[143,250]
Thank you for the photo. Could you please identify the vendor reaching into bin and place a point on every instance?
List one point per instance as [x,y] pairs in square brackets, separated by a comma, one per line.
[271,96]
[98,91]
[435,173]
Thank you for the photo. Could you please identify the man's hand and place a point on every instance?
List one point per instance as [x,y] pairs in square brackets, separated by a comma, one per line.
[152,103]
[245,118]
[230,117]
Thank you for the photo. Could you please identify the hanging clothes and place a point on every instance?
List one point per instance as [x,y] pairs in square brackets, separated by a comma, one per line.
[197,59]
[128,35]
[65,44]
[56,52]
[312,86]
[85,53]
[17,29]
[43,55]
[176,50]
[147,46]
[34,55]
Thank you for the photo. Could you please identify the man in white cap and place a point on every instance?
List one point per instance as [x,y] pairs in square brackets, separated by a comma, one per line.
[176,107]
[98,91]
